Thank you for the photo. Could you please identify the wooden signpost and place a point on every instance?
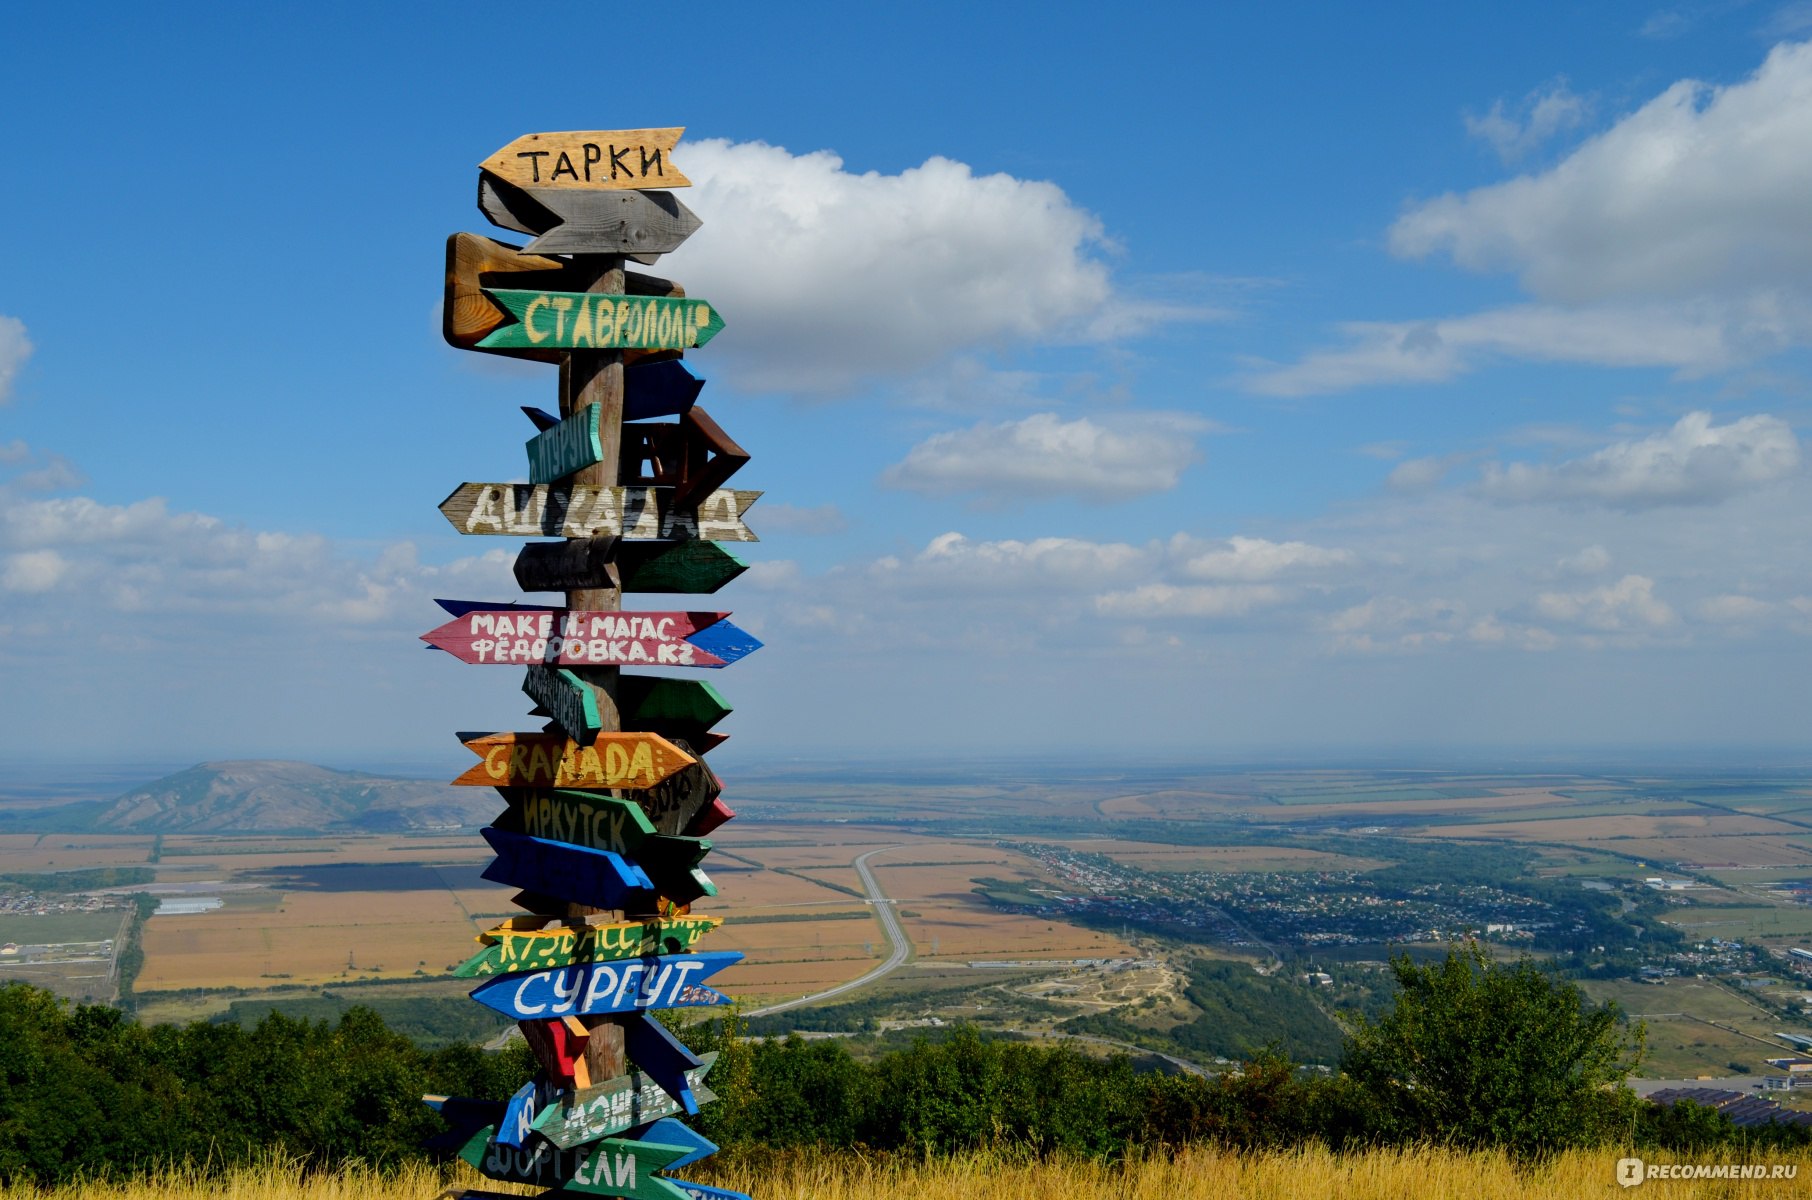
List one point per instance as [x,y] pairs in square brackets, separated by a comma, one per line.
[610,803]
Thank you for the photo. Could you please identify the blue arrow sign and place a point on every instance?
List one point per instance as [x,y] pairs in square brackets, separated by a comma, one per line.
[575,873]
[663,389]
[670,1132]
[629,985]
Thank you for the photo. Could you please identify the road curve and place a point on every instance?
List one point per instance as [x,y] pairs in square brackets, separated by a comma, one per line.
[890,923]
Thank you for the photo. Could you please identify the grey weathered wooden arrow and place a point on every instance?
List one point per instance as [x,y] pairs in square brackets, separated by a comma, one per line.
[642,225]
[582,510]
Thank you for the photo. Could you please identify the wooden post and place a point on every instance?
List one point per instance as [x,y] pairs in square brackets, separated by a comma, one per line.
[596,377]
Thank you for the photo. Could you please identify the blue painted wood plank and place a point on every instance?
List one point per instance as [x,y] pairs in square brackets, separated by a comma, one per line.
[662,389]
[631,985]
[573,873]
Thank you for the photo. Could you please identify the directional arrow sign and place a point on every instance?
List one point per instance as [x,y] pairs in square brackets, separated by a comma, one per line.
[576,221]
[669,1132]
[663,389]
[597,158]
[519,1115]
[583,510]
[661,1056]
[601,321]
[694,456]
[695,567]
[608,823]
[571,445]
[468,316]
[626,760]
[609,1167]
[507,636]
[566,698]
[623,1103]
[673,981]
[593,877]
[704,1191]
[509,950]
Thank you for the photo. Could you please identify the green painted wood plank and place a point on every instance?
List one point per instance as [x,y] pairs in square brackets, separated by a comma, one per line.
[601,321]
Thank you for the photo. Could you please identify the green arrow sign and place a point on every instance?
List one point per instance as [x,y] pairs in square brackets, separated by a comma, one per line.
[608,1167]
[600,321]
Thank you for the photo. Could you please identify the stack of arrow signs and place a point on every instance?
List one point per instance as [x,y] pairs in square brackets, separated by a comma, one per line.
[608,810]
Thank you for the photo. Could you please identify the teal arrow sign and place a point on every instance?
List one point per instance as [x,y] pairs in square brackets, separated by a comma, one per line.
[600,321]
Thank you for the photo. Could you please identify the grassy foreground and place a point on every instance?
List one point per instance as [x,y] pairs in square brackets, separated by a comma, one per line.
[1194,1174]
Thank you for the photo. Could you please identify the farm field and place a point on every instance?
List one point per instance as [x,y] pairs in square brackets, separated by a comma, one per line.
[1695,1026]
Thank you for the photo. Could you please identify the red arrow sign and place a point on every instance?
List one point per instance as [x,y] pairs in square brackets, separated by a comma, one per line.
[577,638]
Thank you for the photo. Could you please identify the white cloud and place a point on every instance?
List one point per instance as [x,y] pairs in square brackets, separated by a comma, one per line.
[1433,351]
[1629,603]
[1420,474]
[1115,457]
[1248,558]
[1732,609]
[1695,462]
[1543,113]
[953,560]
[1590,560]
[33,571]
[15,348]
[829,279]
[1201,600]
[1701,190]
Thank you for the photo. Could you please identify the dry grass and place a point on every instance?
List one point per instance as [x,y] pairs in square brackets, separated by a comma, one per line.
[1193,1175]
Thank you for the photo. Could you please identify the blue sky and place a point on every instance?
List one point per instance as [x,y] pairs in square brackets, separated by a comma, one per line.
[1205,380]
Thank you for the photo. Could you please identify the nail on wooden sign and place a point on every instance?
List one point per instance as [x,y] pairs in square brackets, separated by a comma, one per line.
[596,158]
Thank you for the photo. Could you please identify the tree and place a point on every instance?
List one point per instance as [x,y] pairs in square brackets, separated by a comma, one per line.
[1477,1053]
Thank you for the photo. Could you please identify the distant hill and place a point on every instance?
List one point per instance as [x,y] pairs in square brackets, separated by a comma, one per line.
[259,796]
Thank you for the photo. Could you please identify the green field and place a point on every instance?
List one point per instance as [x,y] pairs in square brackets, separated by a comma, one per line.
[52,928]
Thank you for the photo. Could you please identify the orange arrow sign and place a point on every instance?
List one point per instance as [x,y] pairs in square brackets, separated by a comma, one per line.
[625,760]
[596,158]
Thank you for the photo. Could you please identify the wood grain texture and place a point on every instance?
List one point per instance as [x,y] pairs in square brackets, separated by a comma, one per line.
[632,985]
[559,1048]
[619,1104]
[638,224]
[468,315]
[594,158]
[557,320]
[581,510]
[612,760]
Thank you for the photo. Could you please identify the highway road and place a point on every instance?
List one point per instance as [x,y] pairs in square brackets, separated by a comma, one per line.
[890,923]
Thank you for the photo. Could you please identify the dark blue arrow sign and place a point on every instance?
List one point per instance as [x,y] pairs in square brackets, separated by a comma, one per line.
[662,1057]
[662,389]
[575,873]
[704,1191]
[630,985]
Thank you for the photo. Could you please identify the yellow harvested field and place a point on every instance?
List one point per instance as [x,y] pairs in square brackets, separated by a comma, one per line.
[308,938]
[70,852]
[1716,851]
[1576,830]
